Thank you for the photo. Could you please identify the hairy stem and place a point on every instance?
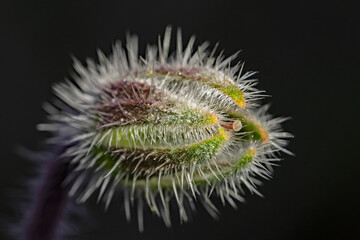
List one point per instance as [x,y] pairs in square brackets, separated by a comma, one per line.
[50,202]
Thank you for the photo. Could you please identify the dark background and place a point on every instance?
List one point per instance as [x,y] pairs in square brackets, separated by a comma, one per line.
[307,55]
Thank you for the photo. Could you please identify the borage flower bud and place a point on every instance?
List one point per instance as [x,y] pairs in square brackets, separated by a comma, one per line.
[184,126]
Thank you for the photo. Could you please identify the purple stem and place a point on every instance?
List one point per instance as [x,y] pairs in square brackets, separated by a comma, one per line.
[50,202]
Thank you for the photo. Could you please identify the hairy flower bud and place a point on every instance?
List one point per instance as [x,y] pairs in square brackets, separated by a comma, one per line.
[184,125]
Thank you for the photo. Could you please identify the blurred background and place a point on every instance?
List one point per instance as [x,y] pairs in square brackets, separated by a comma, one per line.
[307,55]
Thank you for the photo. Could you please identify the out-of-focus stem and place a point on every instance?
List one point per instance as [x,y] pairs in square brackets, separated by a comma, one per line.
[50,202]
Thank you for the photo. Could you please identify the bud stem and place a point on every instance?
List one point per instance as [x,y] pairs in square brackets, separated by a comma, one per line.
[51,198]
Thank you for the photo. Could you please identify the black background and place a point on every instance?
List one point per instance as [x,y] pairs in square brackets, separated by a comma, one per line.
[307,55]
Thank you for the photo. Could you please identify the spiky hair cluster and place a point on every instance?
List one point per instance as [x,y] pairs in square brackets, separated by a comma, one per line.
[185,125]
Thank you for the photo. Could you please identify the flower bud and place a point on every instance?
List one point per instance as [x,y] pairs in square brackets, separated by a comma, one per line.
[185,125]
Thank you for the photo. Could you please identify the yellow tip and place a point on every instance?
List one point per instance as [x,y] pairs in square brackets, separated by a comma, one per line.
[213,118]
[149,73]
[264,135]
[223,133]
[252,151]
[241,103]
